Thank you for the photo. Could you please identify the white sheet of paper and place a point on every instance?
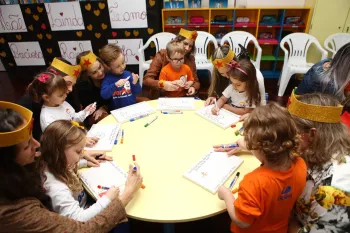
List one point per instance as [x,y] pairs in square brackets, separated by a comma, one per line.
[11,19]
[224,119]
[65,16]
[128,13]
[107,174]
[213,170]
[27,53]
[107,133]
[129,48]
[183,103]
[70,49]
[125,114]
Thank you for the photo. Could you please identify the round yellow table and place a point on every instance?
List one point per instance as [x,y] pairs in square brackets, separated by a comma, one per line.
[165,149]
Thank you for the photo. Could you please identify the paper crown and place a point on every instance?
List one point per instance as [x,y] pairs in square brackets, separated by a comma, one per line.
[87,60]
[70,70]
[190,35]
[318,113]
[21,134]
[223,62]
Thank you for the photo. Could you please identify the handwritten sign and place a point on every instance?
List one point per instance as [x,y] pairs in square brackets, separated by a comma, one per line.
[70,49]
[27,53]
[129,47]
[65,16]
[128,13]
[11,19]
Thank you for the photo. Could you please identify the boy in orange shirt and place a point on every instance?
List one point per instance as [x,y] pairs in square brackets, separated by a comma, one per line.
[266,196]
[176,71]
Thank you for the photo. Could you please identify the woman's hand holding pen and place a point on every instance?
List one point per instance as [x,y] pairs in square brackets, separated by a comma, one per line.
[132,185]
[231,151]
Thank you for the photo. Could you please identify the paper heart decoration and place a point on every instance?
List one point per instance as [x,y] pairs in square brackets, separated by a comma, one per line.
[79,33]
[98,35]
[19,37]
[3,54]
[114,34]
[61,13]
[74,48]
[48,36]
[101,5]
[43,26]
[88,7]
[2,40]
[89,27]
[40,36]
[11,64]
[30,27]
[36,17]
[150,30]
[152,2]
[127,33]
[97,12]
[104,26]
[28,11]
[152,44]
[40,9]
[49,50]
[136,33]
[137,57]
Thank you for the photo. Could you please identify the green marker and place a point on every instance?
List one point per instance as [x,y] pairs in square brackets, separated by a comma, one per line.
[151,121]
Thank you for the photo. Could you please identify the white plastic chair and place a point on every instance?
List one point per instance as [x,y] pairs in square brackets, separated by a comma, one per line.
[295,58]
[335,41]
[243,38]
[201,57]
[160,40]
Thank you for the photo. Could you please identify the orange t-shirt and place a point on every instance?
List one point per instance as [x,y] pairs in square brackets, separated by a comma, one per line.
[266,198]
[169,74]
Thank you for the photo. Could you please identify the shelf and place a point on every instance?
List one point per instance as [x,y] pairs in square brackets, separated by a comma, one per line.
[268,58]
[270,74]
[267,41]
[221,25]
[280,58]
[174,25]
[197,26]
[294,26]
[269,26]
[245,25]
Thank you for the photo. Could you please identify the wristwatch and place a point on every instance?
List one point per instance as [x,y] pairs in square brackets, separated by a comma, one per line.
[161,84]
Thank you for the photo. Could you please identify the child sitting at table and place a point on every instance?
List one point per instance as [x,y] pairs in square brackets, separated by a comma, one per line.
[176,71]
[266,196]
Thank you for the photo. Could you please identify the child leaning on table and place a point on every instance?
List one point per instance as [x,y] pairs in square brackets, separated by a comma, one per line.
[266,196]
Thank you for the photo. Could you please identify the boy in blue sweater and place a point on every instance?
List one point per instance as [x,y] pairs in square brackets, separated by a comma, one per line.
[120,86]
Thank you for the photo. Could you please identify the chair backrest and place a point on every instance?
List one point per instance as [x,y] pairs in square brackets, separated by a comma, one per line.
[298,44]
[239,37]
[160,40]
[335,41]
[202,41]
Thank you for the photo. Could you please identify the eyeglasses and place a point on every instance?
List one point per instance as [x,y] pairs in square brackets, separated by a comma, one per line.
[177,60]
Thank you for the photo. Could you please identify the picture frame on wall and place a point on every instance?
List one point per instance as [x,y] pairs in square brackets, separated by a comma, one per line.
[218,3]
[174,4]
[194,3]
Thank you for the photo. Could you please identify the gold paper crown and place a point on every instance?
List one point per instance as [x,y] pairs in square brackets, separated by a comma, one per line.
[222,62]
[70,70]
[190,35]
[19,135]
[87,60]
[326,114]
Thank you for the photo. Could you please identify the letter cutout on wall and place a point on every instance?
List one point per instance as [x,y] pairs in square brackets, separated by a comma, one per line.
[70,49]
[11,19]
[27,53]
[64,16]
[129,47]
[128,13]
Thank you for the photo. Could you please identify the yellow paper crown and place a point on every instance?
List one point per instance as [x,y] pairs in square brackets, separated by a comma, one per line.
[70,70]
[87,60]
[318,113]
[19,135]
[222,62]
[190,35]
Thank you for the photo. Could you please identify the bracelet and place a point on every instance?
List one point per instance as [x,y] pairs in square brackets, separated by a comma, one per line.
[161,84]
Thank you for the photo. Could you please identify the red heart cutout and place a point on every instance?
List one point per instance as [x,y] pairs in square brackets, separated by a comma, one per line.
[43,26]
[75,49]
[114,34]
[61,13]
[137,57]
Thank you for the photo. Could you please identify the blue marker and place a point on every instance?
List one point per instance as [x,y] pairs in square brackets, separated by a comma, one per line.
[116,138]
[230,145]
[135,118]
[172,112]
[234,180]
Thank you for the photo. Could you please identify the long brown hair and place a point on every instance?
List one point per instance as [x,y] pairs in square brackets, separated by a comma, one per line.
[331,140]
[55,139]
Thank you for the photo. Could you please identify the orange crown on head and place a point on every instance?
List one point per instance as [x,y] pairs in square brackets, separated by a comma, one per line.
[87,60]
[190,35]
[70,70]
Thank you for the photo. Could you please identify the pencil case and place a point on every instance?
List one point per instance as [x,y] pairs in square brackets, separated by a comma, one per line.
[174,20]
[292,20]
[268,19]
[243,19]
[220,18]
[265,35]
[197,19]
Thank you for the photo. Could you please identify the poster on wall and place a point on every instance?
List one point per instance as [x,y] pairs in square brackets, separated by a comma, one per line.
[128,13]
[27,53]
[11,19]
[129,47]
[70,49]
[64,16]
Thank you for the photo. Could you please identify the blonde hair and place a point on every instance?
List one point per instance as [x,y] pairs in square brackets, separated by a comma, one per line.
[55,139]
[331,141]
[109,53]
[271,130]
[218,82]
[173,47]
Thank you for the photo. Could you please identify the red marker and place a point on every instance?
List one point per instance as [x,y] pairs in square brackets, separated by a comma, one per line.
[102,187]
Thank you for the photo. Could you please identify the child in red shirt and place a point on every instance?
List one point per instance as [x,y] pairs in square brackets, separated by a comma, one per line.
[266,196]
[176,71]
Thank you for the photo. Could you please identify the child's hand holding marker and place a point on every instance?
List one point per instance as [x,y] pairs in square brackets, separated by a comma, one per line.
[121,82]
[215,110]
[231,149]
[135,78]
[90,109]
